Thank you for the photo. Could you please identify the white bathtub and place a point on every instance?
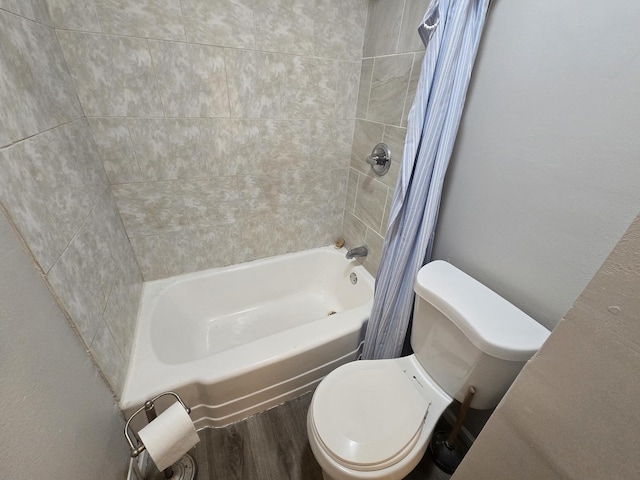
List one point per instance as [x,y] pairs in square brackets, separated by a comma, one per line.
[237,340]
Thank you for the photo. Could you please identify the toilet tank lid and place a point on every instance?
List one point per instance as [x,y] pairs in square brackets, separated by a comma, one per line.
[491,323]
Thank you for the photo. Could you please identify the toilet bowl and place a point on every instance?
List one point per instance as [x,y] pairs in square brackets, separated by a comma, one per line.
[373,419]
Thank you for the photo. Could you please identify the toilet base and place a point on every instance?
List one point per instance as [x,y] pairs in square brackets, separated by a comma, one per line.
[446,457]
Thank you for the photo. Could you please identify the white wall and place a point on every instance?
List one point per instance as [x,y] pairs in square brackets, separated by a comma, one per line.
[59,420]
[545,177]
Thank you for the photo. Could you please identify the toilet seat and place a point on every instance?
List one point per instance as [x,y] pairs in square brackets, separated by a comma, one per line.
[368,415]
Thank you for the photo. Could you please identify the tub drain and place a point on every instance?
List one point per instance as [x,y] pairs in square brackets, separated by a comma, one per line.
[331,312]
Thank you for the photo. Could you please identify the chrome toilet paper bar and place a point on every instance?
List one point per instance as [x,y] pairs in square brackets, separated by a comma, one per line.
[150,411]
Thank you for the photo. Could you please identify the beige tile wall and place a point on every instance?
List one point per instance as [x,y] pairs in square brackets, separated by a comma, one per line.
[225,127]
[388,78]
[55,190]
[222,140]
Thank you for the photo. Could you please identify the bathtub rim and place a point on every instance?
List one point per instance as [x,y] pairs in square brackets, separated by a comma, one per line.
[346,323]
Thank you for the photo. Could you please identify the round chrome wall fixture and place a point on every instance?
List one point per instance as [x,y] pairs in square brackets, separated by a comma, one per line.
[380,159]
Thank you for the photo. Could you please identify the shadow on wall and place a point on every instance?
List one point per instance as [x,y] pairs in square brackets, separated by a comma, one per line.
[590,360]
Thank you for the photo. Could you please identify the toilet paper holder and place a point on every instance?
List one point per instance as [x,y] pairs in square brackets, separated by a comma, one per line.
[149,408]
[184,469]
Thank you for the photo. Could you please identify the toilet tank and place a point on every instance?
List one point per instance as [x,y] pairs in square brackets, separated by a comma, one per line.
[464,334]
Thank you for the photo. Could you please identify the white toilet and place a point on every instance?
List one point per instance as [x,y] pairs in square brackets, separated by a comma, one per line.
[373,419]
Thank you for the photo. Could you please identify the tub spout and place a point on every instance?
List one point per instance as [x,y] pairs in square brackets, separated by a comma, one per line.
[357,252]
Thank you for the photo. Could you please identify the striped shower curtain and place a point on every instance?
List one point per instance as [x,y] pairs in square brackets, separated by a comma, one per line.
[453,35]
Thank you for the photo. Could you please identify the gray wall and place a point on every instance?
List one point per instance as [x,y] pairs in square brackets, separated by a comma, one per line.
[59,420]
[390,68]
[572,412]
[225,127]
[55,191]
[544,179]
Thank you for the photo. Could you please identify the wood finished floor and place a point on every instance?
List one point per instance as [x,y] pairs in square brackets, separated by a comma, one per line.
[272,445]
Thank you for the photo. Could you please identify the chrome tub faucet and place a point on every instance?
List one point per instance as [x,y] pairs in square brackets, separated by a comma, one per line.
[357,252]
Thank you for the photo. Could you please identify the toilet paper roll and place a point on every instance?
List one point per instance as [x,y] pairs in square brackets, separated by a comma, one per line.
[169,436]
